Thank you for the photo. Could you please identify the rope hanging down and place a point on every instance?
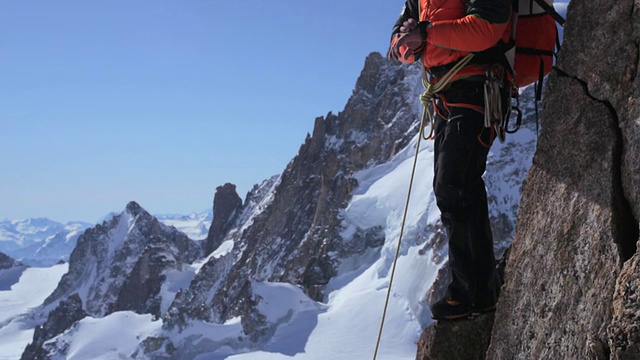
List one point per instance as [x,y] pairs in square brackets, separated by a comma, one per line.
[425,98]
[395,260]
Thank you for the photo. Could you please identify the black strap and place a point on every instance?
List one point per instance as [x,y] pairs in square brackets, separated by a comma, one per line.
[540,80]
[551,10]
[557,42]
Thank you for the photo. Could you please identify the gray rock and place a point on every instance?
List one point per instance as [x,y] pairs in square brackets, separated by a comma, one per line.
[63,317]
[7,262]
[460,339]
[226,206]
[624,331]
[565,296]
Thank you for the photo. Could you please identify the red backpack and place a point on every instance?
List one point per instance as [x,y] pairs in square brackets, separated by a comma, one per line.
[529,55]
[536,36]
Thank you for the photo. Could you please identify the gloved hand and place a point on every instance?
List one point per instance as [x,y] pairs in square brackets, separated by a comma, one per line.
[408,25]
[408,42]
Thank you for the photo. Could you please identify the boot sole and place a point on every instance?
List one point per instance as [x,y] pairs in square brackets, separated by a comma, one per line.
[454,317]
[486,310]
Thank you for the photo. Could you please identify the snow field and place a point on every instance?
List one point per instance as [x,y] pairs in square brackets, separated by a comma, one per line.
[31,290]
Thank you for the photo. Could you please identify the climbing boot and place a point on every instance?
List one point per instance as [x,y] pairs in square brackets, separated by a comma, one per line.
[450,309]
[484,308]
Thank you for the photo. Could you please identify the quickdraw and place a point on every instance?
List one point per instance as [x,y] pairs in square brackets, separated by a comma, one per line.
[496,88]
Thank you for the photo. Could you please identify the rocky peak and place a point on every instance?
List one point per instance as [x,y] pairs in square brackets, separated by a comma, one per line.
[226,206]
[296,235]
[135,210]
[374,74]
[119,265]
[6,262]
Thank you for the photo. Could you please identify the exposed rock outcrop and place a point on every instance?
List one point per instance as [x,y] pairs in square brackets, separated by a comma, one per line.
[67,313]
[121,263]
[623,332]
[7,262]
[226,206]
[466,339]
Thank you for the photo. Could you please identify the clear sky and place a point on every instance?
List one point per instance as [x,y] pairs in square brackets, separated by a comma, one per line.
[158,101]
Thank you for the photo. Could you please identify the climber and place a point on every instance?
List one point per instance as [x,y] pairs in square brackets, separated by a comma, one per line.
[440,33]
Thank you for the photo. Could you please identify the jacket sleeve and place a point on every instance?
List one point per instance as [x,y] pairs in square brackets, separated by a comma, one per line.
[410,10]
[482,27]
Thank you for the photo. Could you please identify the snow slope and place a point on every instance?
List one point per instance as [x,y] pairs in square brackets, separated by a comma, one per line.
[195,225]
[16,330]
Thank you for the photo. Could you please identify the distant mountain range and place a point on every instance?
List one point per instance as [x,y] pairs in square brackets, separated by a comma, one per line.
[44,242]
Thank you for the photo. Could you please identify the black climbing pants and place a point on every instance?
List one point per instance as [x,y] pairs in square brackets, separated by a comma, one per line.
[460,161]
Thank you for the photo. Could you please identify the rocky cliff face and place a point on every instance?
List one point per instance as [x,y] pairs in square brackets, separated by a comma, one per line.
[118,265]
[571,281]
[578,221]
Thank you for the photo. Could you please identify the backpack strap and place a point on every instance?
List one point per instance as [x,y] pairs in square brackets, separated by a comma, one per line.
[551,11]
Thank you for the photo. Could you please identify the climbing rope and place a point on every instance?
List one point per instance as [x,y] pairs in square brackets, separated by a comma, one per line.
[425,98]
[395,260]
[432,89]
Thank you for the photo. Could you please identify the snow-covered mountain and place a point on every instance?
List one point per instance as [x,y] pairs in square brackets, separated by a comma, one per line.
[39,241]
[122,264]
[44,242]
[300,268]
[195,225]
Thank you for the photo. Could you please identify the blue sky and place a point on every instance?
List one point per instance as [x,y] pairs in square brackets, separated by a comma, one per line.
[103,102]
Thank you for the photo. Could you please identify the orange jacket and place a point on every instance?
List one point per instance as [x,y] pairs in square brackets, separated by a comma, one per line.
[456,28]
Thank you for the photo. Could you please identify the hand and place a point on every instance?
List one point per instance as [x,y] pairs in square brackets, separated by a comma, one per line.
[407,43]
[408,25]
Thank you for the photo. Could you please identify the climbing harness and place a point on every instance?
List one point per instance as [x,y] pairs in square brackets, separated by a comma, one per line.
[432,89]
